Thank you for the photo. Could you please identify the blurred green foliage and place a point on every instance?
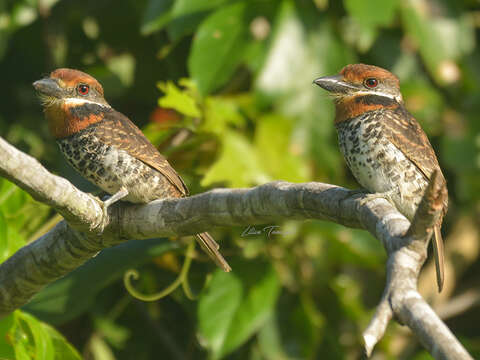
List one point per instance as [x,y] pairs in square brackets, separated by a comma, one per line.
[224,89]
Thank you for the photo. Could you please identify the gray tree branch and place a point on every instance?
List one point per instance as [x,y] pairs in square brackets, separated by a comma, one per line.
[72,243]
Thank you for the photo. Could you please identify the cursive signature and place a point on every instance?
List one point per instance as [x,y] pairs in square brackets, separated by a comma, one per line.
[268,230]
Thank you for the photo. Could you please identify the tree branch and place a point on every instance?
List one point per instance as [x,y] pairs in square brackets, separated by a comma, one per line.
[67,246]
[401,297]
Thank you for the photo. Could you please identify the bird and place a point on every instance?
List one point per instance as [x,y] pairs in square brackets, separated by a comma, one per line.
[108,149]
[383,145]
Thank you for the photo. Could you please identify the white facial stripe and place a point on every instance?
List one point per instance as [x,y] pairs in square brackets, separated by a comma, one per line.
[379,93]
[77,101]
[365,92]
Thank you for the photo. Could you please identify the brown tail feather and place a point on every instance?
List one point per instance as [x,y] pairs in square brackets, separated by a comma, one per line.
[210,246]
[439,257]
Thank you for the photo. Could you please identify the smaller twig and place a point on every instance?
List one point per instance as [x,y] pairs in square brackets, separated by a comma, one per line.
[378,325]
[459,304]
[401,297]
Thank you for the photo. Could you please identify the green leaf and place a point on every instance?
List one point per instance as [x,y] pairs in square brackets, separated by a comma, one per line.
[270,341]
[70,296]
[188,14]
[301,325]
[21,352]
[300,53]
[219,113]
[372,13]
[359,36]
[100,349]
[236,305]
[123,66]
[273,139]
[238,164]
[177,99]
[218,47]
[22,214]
[4,248]
[348,293]
[6,337]
[441,39]
[63,349]
[42,341]
[156,16]
[425,103]
[22,15]
[116,334]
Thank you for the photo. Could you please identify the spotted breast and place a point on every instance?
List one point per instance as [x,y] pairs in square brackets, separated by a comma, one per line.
[111,168]
[377,164]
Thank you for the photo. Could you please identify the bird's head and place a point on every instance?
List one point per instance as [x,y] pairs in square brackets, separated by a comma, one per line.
[361,80]
[72,100]
[361,88]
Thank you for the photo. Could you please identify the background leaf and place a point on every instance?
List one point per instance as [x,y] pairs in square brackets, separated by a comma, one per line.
[246,301]
[226,31]
[238,164]
[68,297]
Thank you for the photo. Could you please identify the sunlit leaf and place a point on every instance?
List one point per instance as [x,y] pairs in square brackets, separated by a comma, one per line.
[372,13]
[219,113]
[238,164]
[273,138]
[100,349]
[441,39]
[23,14]
[4,248]
[21,352]
[177,99]
[63,349]
[116,334]
[188,14]
[6,337]
[124,67]
[42,342]
[297,56]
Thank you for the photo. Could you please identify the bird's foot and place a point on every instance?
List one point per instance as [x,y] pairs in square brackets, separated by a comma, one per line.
[99,226]
[387,195]
[120,194]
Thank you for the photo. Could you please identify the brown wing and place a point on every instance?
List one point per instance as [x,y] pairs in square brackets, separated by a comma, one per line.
[119,131]
[406,134]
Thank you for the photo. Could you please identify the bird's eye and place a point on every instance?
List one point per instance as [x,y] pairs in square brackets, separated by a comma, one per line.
[371,82]
[83,89]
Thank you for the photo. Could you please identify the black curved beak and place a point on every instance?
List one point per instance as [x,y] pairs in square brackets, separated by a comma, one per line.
[48,87]
[334,84]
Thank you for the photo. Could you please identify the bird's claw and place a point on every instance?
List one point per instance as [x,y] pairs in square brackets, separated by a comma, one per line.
[387,195]
[100,225]
[120,194]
